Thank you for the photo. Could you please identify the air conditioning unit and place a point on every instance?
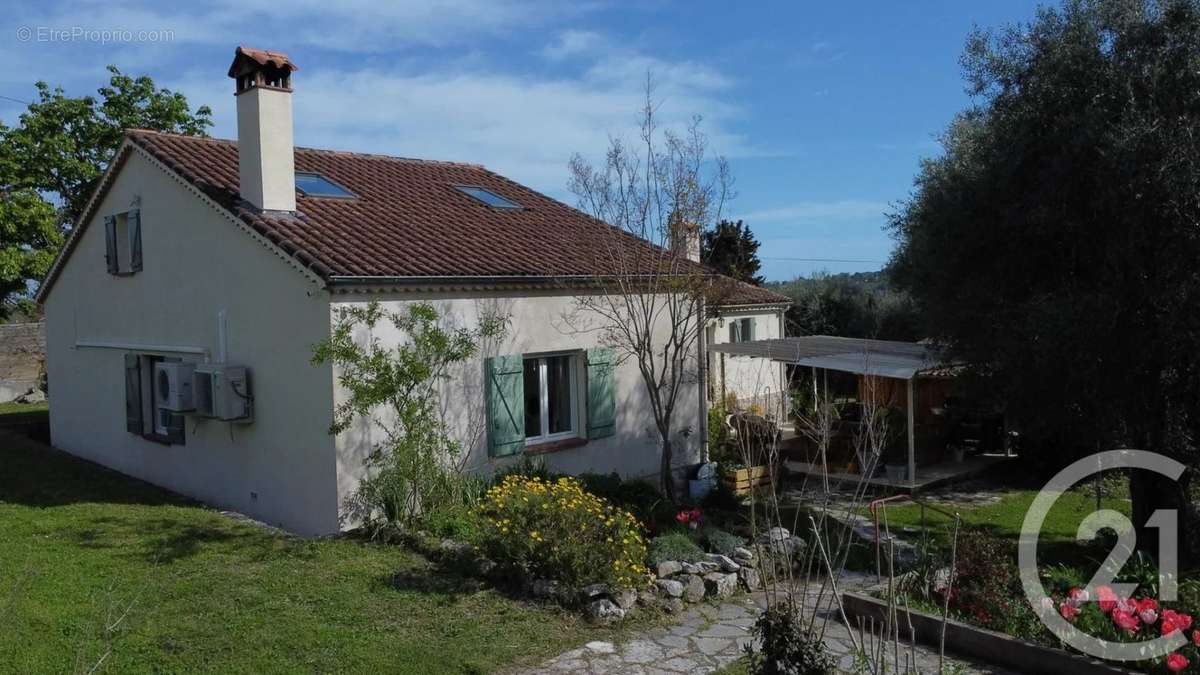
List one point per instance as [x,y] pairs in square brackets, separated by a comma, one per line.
[173,386]
[223,392]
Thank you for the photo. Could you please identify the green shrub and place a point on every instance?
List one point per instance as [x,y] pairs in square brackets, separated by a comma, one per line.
[544,529]
[411,473]
[530,467]
[674,546]
[718,433]
[638,496]
[787,646]
[460,523]
[720,541]
[987,588]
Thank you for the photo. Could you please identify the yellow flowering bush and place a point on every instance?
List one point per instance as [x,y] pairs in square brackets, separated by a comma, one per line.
[554,529]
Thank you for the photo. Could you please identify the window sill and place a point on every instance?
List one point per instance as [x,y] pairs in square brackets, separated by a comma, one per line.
[555,446]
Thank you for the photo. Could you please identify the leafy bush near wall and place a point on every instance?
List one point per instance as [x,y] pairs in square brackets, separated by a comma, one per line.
[416,469]
[718,433]
[458,522]
[554,529]
[674,546]
[987,587]
[641,498]
[720,541]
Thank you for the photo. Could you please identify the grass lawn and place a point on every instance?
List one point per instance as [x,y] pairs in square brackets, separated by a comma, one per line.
[93,562]
[1005,517]
[13,408]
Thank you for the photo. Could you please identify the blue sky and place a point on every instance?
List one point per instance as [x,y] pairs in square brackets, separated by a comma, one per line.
[823,109]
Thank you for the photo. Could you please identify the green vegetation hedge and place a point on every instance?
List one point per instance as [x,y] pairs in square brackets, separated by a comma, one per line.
[720,541]
[674,546]
[554,529]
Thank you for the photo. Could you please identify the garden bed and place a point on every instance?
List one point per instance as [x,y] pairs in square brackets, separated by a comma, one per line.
[990,646]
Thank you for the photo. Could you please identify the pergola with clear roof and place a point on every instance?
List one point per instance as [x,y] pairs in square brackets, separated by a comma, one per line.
[876,358]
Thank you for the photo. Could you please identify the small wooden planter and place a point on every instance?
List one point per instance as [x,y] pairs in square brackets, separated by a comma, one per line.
[742,481]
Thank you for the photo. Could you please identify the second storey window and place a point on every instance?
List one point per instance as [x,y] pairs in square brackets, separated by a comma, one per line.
[550,398]
[123,242]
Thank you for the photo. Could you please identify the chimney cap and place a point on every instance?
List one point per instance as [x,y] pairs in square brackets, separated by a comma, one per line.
[261,69]
[249,58]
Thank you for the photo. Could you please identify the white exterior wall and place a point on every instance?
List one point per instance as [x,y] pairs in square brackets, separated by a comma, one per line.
[197,262]
[752,380]
[536,326]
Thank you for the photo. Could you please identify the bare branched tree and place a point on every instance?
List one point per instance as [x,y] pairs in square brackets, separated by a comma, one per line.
[664,190]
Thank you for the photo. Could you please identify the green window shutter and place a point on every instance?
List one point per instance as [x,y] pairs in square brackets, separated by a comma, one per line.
[110,244]
[750,329]
[505,404]
[135,240]
[133,394]
[601,393]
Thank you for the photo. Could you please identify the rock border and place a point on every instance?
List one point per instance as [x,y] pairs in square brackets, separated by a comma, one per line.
[675,584]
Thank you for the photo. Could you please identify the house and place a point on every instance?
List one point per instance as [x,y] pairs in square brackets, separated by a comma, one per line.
[182,312]
[740,312]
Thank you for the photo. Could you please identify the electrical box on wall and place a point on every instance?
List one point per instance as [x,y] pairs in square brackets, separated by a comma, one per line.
[173,386]
[223,392]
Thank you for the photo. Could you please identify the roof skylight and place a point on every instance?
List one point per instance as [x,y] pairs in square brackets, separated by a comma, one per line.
[316,185]
[488,197]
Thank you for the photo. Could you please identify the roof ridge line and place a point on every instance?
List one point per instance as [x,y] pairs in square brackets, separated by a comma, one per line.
[349,153]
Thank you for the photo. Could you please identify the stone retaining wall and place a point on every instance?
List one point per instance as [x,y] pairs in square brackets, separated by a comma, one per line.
[22,358]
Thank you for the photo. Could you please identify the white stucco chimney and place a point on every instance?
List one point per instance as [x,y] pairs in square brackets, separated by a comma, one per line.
[685,240]
[266,153]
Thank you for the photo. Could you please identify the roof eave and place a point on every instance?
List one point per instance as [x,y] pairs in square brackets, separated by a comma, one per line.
[77,227]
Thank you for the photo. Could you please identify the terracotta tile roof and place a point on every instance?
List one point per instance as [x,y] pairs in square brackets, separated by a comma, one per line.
[262,57]
[728,292]
[407,218]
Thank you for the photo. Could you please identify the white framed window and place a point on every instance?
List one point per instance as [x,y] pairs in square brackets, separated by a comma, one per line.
[551,397]
[741,330]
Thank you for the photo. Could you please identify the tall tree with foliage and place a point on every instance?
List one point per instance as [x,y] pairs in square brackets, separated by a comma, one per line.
[1054,243]
[51,160]
[857,305]
[731,249]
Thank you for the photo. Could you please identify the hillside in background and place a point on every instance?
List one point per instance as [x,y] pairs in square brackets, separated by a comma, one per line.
[857,304]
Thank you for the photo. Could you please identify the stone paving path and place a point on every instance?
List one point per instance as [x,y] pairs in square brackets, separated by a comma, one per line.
[708,637]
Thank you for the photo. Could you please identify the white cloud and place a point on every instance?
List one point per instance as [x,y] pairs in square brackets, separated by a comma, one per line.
[360,88]
[573,43]
[525,126]
[348,25]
